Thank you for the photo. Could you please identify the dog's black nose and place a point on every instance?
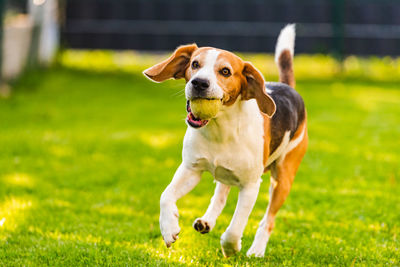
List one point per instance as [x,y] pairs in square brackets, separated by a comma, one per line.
[200,84]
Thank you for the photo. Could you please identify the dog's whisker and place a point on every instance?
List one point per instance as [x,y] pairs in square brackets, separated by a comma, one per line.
[177,93]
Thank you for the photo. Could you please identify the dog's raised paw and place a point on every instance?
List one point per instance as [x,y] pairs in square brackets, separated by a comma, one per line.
[201,226]
[169,226]
[170,238]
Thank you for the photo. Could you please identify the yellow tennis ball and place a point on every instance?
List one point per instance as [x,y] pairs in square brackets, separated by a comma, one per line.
[205,108]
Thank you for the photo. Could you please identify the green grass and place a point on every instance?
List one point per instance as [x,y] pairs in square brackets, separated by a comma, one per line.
[85,155]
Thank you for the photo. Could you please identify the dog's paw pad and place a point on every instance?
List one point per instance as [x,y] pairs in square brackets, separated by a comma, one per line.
[201,226]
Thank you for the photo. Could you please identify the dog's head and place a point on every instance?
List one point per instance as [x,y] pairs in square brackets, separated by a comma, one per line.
[213,74]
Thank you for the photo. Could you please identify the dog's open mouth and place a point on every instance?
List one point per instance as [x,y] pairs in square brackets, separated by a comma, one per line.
[192,120]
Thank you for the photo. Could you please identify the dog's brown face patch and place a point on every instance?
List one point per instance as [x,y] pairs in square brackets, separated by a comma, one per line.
[231,84]
[227,68]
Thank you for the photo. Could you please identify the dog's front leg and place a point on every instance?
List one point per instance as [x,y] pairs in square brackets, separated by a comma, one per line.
[206,223]
[231,239]
[183,182]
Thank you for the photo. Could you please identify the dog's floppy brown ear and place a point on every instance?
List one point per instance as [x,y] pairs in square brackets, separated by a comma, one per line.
[173,67]
[254,87]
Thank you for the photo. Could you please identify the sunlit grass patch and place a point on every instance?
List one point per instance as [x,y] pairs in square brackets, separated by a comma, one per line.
[103,60]
[159,140]
[88,147]
[12,212]
[18,179]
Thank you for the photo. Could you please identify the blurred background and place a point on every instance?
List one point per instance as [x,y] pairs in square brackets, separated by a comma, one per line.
[87,144]
[34,30]
[361,27]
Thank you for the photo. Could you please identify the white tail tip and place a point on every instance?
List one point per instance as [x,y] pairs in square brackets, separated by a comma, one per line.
[285,40]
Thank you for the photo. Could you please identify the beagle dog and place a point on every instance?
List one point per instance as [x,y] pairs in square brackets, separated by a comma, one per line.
[260,127]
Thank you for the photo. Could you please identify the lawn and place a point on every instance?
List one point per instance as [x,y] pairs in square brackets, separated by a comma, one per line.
[85,154]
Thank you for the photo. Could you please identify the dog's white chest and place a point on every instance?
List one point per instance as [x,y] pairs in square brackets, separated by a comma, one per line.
[231,147]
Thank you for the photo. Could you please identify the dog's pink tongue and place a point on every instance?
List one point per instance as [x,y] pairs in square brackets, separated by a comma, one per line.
[192,120]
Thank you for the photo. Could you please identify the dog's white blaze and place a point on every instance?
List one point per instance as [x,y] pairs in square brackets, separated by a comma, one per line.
[207,71]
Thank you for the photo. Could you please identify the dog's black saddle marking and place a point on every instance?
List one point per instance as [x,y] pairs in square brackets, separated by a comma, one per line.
[290,112]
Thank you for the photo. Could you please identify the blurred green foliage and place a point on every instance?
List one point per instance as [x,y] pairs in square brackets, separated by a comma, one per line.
[321,67]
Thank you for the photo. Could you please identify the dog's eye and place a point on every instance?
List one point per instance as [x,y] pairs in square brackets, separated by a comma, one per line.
[225,72]
[195,65]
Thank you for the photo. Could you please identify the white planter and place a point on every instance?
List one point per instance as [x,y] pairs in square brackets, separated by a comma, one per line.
[44,14]
[16,43]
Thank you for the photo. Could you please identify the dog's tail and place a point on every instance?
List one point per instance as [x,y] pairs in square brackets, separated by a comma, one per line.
[284,52]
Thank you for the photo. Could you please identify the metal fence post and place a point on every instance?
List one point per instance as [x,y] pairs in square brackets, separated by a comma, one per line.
[338,28]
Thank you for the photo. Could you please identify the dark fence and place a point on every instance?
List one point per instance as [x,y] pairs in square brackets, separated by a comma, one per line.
[360,27]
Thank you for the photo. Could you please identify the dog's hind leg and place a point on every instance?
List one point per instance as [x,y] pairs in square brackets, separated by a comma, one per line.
[231,238]
[206,223]
[282,176]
